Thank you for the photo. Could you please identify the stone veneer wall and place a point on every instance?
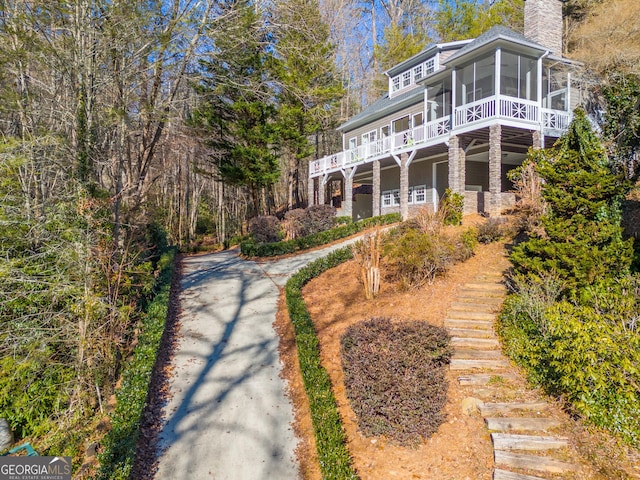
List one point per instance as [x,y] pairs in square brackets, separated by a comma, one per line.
[543,23]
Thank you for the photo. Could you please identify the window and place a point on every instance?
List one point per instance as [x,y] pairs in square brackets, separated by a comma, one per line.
[395,84]
[518,76]
[417,72]
[390,198]
[369,139]
[387,199]
[430,66]
[406,79]
[420,194]
[475,81]
[438,100]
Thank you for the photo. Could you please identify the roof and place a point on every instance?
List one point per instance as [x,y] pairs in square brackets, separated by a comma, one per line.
[498,32]
[426,53]
[381,107]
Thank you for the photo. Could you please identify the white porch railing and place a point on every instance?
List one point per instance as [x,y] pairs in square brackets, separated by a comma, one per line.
[519,109]
[556,119]
[475,111]
[433,132]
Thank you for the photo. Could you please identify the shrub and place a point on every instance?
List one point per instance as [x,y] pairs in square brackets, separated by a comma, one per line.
[366,253]
[252,249]
[395,377]
[333,455]
[415,258]
[452,207]
[119,446]
[318,218]
[530,206]
[265,228]
[587,352]
[490,231]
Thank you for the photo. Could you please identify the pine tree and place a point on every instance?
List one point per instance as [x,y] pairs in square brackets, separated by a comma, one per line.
[238,113]
[309,87]
[582,239]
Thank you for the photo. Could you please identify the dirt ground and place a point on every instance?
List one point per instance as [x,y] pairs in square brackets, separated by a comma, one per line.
[461,449]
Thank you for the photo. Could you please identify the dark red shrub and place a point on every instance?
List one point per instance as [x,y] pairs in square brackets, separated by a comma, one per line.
[395,377]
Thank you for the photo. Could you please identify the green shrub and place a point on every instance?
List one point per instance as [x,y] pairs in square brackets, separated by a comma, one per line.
[452,206]
[250,248]
[415,258]
[395,377]
[32,390]
[265,228]
[119,446]
[333,455]
[586,353]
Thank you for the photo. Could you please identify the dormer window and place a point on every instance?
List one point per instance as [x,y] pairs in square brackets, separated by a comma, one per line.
[395,84]
[414,74]
[406,79]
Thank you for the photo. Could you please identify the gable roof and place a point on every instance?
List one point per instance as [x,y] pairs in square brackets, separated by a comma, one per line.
[498,32]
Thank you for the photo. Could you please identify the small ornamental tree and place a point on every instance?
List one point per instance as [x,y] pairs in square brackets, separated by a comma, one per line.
[582,239]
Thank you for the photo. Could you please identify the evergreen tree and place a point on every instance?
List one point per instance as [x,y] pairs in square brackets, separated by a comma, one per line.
[238,112]
[309,86]
[582,239]
[398,45]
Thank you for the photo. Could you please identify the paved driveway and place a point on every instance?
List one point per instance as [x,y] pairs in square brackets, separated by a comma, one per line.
[229,417]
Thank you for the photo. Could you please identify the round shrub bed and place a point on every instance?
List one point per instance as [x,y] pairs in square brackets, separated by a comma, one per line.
[395,377]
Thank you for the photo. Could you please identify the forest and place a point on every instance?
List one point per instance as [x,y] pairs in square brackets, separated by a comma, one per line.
[129,127]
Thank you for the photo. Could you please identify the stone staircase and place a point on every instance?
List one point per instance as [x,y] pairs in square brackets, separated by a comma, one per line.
[524,433]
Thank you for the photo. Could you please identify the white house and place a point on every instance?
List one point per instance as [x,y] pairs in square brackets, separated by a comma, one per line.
[457,115]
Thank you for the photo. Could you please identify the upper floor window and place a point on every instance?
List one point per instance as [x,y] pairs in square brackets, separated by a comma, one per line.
[411,76]
[519,76]
[475,80]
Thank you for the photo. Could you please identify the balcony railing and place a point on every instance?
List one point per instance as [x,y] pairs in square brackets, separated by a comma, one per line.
[435,132]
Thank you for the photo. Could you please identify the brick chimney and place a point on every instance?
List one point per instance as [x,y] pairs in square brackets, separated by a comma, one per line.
[543,23]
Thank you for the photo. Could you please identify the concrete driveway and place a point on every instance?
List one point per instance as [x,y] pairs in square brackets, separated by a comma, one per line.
[229,417]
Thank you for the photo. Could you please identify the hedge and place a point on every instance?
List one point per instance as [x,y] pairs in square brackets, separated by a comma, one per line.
[117,458]
[250,248]
[334,458]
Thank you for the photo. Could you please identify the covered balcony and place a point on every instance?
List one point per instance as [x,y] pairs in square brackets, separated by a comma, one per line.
[502,87]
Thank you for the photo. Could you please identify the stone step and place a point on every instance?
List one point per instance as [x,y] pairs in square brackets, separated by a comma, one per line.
[532,462]
[468,332]
[472,364]
[474,342]
[467,353]
[473,307]
[472,324]
[475,299]
[493,286]
[485,378]
[533,424]
[510,441]
[480,293]
[491,409]
[499,474]
[470,315]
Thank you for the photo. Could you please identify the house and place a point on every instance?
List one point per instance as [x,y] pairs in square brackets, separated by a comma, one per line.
[457,115]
